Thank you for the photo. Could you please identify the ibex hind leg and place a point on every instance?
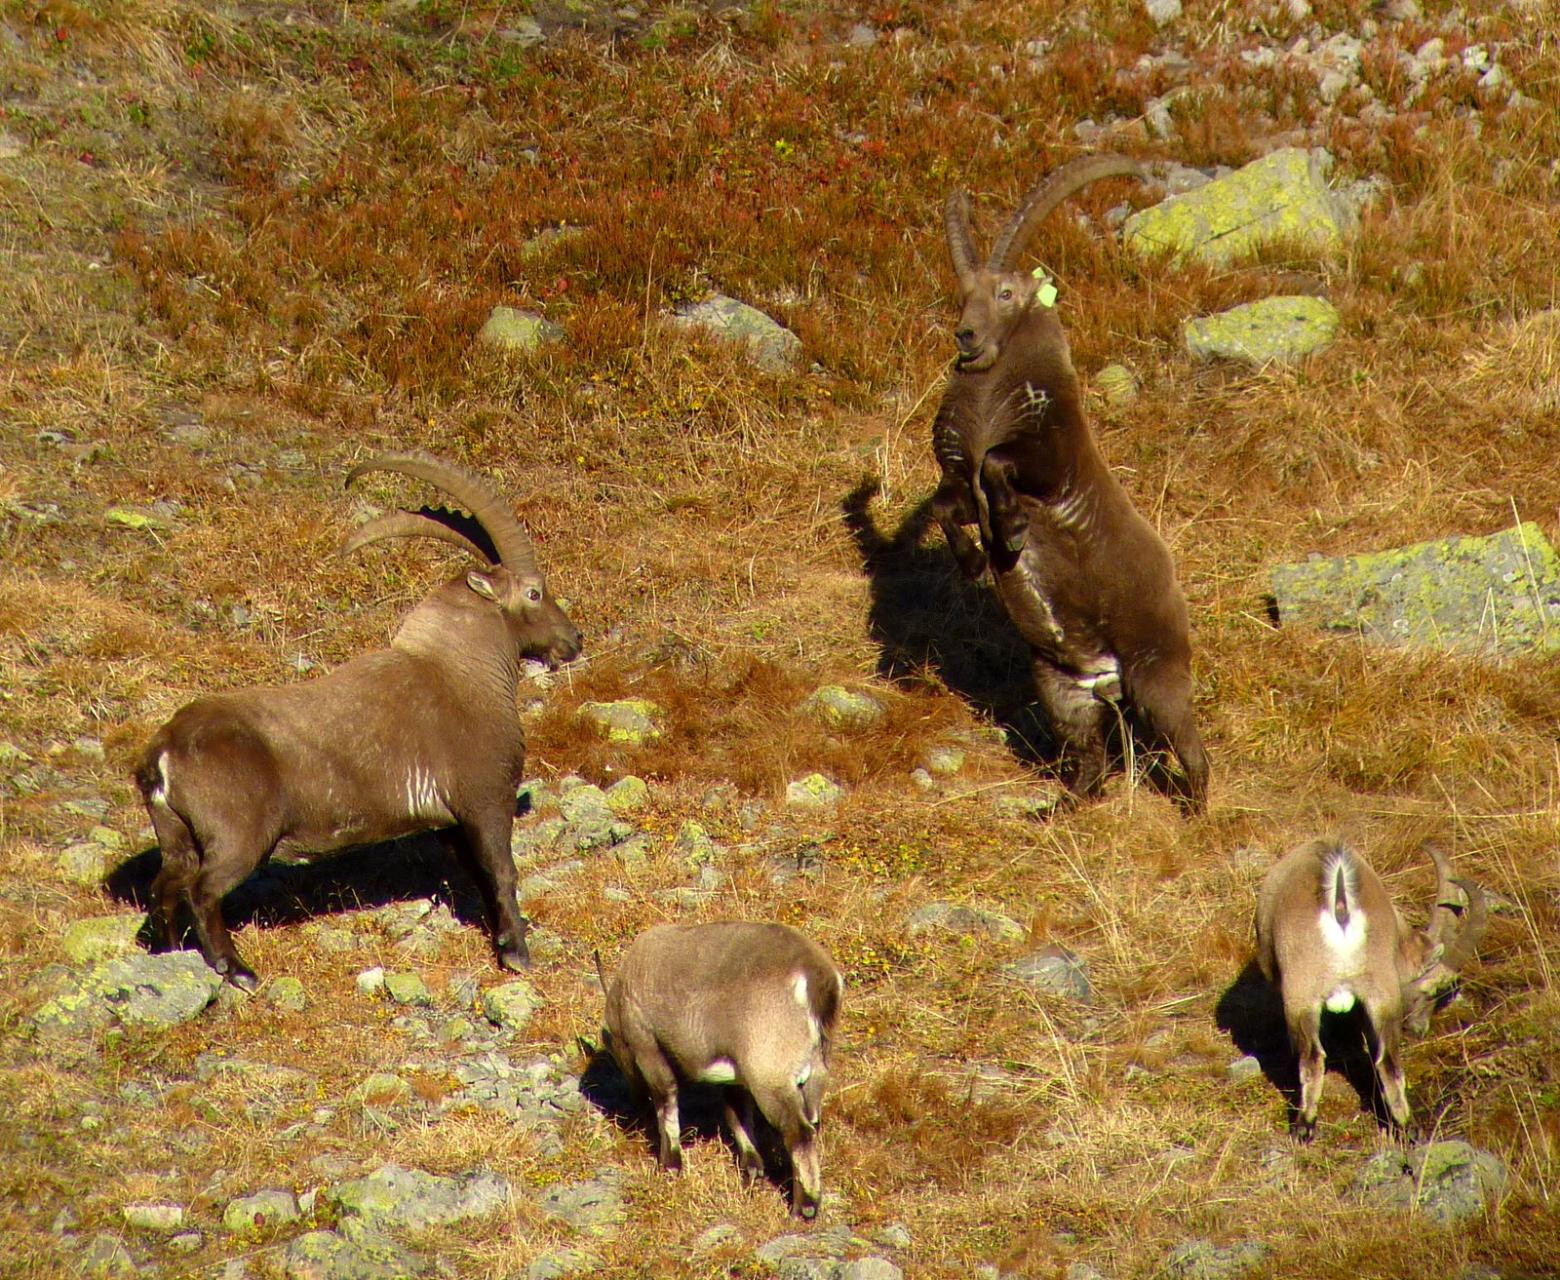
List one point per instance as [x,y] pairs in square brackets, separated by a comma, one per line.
[180,864]
[1384,1017]
[1081,723]
[1163,701]
[226,863]
[740,1120]
[1305,1034]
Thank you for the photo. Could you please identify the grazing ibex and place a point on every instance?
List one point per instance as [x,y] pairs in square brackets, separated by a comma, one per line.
[750,1006]
[421,736]
[1086,580]
[1328,936]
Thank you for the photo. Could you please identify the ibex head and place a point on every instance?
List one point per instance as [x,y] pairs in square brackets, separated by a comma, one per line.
[511,582]
[1431,958]
[995,297]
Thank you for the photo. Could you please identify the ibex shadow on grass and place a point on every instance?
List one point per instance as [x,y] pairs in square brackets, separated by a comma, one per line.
[1086,580]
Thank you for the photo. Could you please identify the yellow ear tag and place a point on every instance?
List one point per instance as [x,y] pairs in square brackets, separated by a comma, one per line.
[1046,294]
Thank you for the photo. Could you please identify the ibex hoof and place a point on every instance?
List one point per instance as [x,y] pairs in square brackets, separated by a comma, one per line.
[239,974]
[515,959]
[1302,1130]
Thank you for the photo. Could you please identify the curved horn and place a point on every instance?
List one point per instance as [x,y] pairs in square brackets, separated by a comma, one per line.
[1045,195]
[956,221]
[474,492]
[454,527]
[1460,949]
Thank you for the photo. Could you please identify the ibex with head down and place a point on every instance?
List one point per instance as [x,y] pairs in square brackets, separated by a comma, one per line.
[1329,937]
[1087,581]
[421,736]
[749,1006]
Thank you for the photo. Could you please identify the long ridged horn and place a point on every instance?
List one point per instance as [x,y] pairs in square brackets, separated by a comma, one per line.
[454,527]
[1461,948]
[956,221]
[1045,195]
[474,492]
[1454,933]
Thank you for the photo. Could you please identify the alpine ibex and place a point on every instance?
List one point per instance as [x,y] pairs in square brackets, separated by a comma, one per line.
[421,736]
[1087,581]
[750,1006]
[1328,936]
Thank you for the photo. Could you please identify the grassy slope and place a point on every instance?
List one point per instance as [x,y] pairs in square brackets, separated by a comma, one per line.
[292,219]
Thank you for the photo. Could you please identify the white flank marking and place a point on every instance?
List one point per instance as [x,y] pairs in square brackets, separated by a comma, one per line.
[422,795]
[720,1071]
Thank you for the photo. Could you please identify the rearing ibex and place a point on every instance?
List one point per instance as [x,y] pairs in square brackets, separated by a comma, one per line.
[421,736]
[1087,581]
[1328,936]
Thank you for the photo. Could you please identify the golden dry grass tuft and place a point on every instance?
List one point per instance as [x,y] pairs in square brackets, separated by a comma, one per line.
[246,247]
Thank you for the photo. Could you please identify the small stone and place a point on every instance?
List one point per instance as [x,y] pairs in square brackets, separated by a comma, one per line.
[896,1236]
[186,1242]
[944,761]
[962,919]
[693,844]
[382,1089]
[408,989]
[1203,1260]
[594,1206]
[1448,1182]
[371,981]
[1244,1068]
[714,1238]
[861,36]
[1028,805]
[107,837]
[154,1217]
[286,993]
[355,1253]
[870,1268]
[84,863]
[813,792]
[509,329]
[99,937]
[840,708]
[628,795]
[558,1263]
[264,1209]
[411,1198]
[511,1005]
[105,1255]
[631,721]
[133,518]
[1055,970]
[1271,330]
[457,1028]
[1162,12]
[1117,385]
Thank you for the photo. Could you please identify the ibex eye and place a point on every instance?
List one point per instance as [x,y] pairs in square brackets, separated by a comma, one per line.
[533,595]
[1006,295]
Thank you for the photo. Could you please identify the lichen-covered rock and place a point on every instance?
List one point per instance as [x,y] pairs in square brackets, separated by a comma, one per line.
[105,1255]
[99,937]
[510,329]
[1446,1181]
[693,844]
[84,863]
[1268,331]
[371,981]
[635,722]
[1498,595]
[870,1268]
[367,1255]
[286,993]
[770,345]
[382,1089]
[153,1217]
[262,1210]
[594,1206]
[842,708]
[1053,969]
[813,792]
[408,989]
[944,761]
[1204,1260]
[628,795]
[1281,198]
[511,1005]
[954,917]
[555,1264]
[1116,385]
[411,1198]
[138,990]
[824,1249]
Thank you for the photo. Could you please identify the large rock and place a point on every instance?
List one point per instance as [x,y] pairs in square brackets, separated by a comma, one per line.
[594,1206]
[1281,198]
[1498,595]
[632,721]
[1204,1260]
[138,990]
[1268,331]
[770,344]
[511,1005]
[1445,1181]
[264,1209]
[366,1255]
[842,708]
[1053,969]
[411,1198]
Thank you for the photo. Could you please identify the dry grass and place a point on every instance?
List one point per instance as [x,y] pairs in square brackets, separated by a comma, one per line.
[284,225]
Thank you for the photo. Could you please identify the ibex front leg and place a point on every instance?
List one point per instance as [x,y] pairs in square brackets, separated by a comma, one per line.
[954,510]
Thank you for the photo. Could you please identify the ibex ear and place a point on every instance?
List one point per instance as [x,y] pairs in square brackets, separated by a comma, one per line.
[482,585]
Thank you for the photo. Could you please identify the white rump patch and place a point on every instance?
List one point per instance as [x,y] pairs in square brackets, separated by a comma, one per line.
[160,791]
[799,989]
[720,1071]
[1340,1001]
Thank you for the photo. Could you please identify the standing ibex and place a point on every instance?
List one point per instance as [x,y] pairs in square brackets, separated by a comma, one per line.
[1087,581]
[1328,936]
[750,1006]
[421,736]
